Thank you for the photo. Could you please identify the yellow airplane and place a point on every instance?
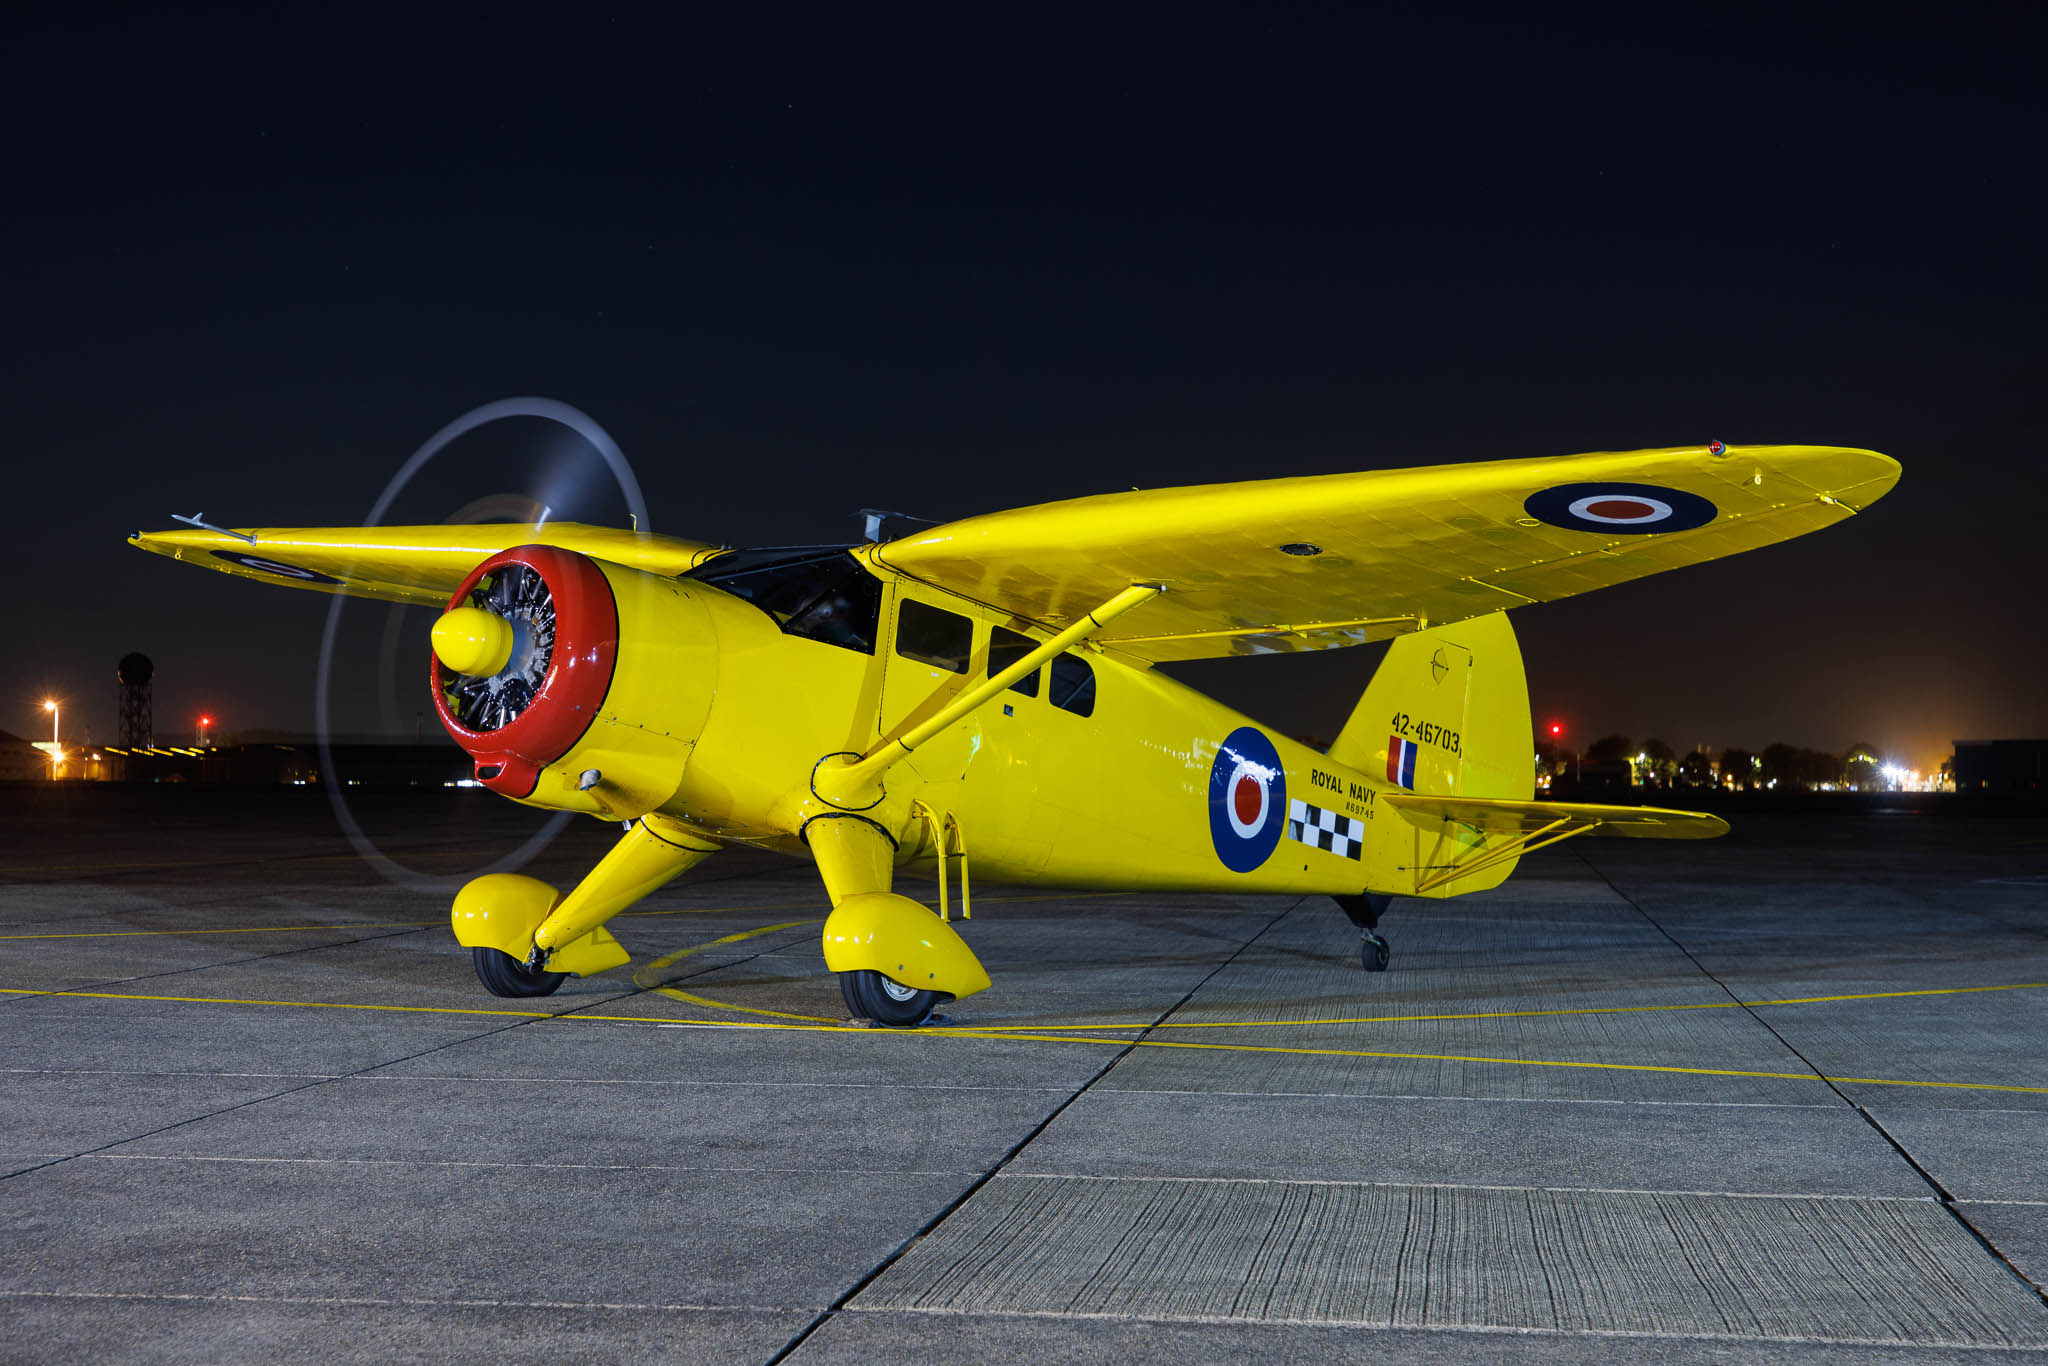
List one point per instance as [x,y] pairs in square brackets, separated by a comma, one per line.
[875,707]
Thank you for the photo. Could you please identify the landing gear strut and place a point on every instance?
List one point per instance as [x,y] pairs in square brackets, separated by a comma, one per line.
[1365,911]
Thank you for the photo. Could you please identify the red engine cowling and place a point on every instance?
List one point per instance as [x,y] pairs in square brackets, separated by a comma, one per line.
[565,649]
[607,683]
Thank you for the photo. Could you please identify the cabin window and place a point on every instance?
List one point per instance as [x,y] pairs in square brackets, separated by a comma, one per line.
[932,635]
[818,592]
[1073,685]
[1006,648]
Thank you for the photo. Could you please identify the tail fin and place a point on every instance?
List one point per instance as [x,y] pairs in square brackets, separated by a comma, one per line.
[1447,715]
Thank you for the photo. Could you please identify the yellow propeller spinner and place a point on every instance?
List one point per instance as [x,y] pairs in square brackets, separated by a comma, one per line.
[473,641]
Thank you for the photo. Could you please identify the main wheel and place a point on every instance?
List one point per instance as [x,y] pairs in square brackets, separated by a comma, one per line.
[504,975]
[884,1001]
[1373,952]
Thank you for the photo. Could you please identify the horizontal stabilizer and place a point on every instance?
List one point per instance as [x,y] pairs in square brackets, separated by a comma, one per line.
[1494,817]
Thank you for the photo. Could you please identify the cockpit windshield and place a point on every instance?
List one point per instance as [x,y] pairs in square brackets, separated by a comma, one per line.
[819,592]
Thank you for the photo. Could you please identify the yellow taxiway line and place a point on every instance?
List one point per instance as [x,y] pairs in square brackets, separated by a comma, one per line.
[1014,1036]
[246,1001]
[644,977]
[1099,1034]
[969,1033]
[810,904]
[568,1016]
[239,929]
[1515,1014]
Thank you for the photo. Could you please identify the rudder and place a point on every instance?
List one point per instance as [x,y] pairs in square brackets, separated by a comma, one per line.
[1447,714]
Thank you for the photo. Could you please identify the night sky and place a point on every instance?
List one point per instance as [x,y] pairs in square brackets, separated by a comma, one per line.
[1011,255]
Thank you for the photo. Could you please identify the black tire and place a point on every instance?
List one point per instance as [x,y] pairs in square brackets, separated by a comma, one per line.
[504,975]
[872,996]
[1374,952]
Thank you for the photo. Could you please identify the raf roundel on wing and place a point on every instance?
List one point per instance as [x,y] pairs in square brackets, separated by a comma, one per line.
[1247,800]
[1630,509]
[277,567]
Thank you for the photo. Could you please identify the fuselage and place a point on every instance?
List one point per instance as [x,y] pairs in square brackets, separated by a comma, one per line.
[1090,772]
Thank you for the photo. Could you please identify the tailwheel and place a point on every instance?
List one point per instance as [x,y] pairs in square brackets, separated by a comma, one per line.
[1373,952]
[872,996]
[504,975]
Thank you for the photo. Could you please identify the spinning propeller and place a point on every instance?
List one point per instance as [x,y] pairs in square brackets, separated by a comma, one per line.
[491,656]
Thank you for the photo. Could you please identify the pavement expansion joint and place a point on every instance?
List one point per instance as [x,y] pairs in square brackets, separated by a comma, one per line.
[373,1302]
[417,1162]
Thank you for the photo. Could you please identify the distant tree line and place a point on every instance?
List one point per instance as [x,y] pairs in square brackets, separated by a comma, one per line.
[1617,760]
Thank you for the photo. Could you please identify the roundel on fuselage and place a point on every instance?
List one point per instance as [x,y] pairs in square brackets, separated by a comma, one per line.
[1247,800]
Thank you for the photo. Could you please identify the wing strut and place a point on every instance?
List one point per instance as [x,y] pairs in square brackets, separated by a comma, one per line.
[851,783]
[1540,838]
[1526,826]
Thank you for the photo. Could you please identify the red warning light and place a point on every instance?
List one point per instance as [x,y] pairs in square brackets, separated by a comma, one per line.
[1555,730]
[208,720]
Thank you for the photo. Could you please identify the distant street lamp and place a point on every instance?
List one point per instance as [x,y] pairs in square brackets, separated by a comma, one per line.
[51,707]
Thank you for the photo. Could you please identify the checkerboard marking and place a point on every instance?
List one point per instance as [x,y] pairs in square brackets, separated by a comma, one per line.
[1343,836]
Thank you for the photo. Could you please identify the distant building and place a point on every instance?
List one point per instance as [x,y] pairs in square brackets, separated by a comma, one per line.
[376,765]
[73,763]
[21,761]
[1575,777]
[2009,766]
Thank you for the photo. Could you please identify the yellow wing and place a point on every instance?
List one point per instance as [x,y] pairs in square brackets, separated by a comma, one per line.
[1329,560]
[1492,816]
[416,564]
